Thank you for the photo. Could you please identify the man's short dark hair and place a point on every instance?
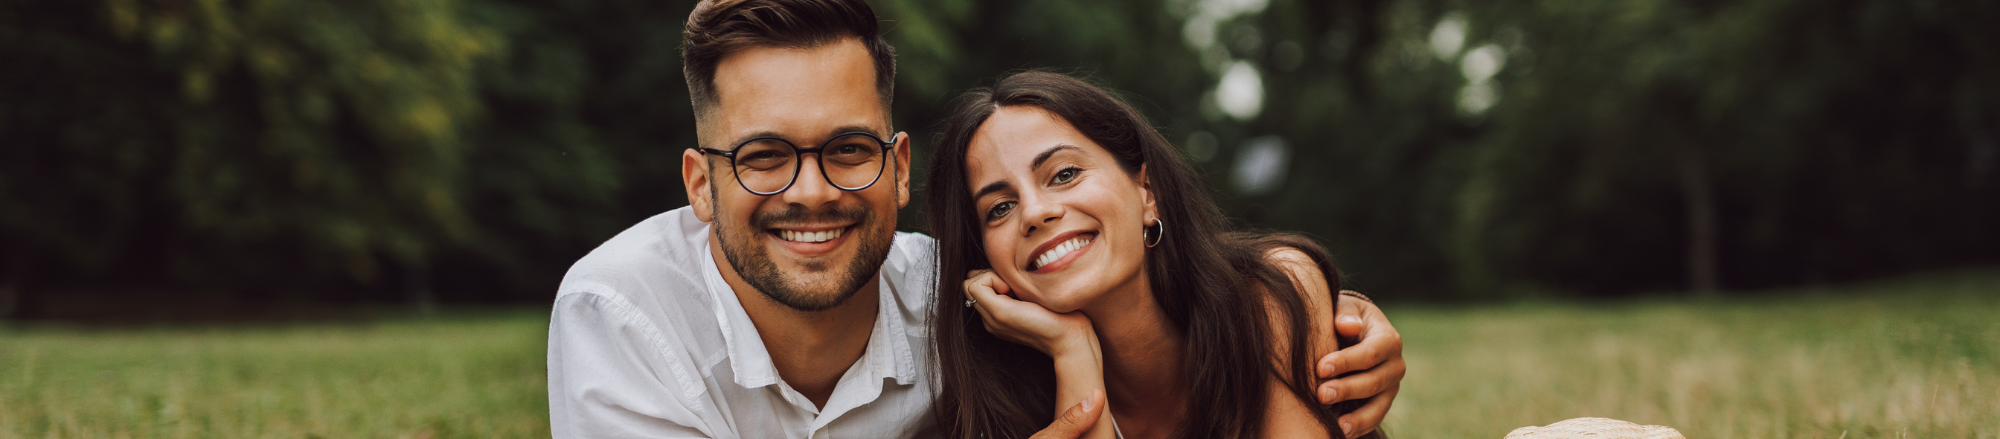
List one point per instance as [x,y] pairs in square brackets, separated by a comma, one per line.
[717,28]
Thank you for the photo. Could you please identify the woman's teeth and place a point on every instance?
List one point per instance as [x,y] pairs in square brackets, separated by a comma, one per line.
[798,236]
[1059,251]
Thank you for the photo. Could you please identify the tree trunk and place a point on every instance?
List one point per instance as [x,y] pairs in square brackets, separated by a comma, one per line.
[1700,198]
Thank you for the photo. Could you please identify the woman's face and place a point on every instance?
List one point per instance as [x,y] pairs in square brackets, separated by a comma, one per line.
[1063,223]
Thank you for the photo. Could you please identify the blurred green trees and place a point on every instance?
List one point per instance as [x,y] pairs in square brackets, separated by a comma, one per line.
[293,147]
[1615,146]
[472,149]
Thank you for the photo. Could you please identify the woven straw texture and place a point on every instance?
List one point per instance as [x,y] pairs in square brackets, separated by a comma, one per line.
[1595,428]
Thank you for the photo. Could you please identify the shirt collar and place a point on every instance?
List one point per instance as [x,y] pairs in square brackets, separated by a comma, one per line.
[749,361]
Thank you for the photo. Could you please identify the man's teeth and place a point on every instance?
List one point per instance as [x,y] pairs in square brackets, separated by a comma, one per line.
[798,236]
[1060,250]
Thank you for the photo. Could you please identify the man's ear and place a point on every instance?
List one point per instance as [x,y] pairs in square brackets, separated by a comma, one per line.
[902,169]
[1146,193]
[694,175]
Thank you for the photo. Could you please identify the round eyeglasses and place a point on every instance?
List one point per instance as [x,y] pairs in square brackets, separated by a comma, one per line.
[769,165]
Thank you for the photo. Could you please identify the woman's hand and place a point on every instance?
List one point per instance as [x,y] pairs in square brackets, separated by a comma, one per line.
[1026,323]
[1067,338]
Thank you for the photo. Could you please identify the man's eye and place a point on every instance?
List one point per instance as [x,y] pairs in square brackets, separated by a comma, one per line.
[1065,175]
[999,209]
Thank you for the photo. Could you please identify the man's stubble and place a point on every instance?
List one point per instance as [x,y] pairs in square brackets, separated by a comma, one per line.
[752,261]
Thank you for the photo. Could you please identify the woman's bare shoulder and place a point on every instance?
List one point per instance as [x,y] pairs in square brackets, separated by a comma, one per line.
[1286,415]
[1306,276]
[1314,292]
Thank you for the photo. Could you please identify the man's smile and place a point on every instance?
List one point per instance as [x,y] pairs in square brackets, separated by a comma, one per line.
[810,240]
[809,236]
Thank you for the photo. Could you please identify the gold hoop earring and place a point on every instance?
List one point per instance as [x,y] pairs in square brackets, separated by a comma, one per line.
[1157,236]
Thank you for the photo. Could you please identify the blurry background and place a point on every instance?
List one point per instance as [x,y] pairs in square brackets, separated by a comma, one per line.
[1495,171]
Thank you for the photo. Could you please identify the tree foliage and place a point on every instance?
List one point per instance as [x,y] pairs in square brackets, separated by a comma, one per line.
[1442,149]
[1819,141]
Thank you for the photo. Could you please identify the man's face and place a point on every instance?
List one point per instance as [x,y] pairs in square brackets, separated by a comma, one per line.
[813,245]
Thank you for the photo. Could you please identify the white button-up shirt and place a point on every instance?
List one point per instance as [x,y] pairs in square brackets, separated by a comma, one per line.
[647,340]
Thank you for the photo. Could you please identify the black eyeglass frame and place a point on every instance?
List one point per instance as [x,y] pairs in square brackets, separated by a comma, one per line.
[801,152]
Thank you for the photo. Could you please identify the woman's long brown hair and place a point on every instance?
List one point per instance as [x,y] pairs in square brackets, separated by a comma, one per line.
[991,388]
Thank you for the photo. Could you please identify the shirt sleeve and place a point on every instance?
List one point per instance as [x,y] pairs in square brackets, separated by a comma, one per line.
[610,377]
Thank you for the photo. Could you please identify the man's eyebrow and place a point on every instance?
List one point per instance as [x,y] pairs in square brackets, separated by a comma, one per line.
[844,129]
[851,129]
[990,188]
[745,138]
[1044,156]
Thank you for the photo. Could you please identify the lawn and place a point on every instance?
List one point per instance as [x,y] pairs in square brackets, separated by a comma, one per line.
[458,376]
[1915,357]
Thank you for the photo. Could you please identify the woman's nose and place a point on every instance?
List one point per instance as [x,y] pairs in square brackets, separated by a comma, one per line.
[1040,212]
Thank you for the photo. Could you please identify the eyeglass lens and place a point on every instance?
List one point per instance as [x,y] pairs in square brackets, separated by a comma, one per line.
[851,162]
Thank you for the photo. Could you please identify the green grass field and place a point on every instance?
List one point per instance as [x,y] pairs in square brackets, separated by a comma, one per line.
[464,376]
[1917,357]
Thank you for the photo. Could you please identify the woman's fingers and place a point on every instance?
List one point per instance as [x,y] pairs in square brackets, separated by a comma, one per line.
[989,280]
[995,310]
[1369,416]
[981,292]
[987,320]
[1019,321]
[988,291]
[982,297]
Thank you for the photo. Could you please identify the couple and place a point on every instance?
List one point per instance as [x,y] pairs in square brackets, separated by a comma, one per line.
[1081,283]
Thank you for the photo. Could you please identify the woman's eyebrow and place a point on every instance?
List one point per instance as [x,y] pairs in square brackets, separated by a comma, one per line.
[990,188]
[1044,156]
[1036,164]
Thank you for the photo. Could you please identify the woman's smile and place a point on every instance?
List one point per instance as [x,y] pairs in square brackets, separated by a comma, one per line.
[1058,253]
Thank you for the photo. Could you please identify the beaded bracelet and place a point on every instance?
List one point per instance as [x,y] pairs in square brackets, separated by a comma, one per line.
[1356,295]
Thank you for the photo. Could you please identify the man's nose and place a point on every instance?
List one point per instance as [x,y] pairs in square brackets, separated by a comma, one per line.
[810,188]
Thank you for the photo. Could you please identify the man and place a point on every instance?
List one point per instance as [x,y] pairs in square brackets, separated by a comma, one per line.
[782,302]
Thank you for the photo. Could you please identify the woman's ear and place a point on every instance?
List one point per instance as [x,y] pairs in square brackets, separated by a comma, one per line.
[1146,193]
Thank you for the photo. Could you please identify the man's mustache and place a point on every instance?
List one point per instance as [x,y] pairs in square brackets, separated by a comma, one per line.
[799,215]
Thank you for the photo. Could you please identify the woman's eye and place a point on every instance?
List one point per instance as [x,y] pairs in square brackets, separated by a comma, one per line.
[1065,175]
[999,209]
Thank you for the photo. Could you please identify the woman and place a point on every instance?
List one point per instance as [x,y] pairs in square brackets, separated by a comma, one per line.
[1080,253]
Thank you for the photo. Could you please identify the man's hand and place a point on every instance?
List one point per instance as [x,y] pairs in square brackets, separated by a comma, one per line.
[1077,420]
[1375,361]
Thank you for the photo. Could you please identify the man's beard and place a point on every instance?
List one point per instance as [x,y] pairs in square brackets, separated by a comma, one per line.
[746,251]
